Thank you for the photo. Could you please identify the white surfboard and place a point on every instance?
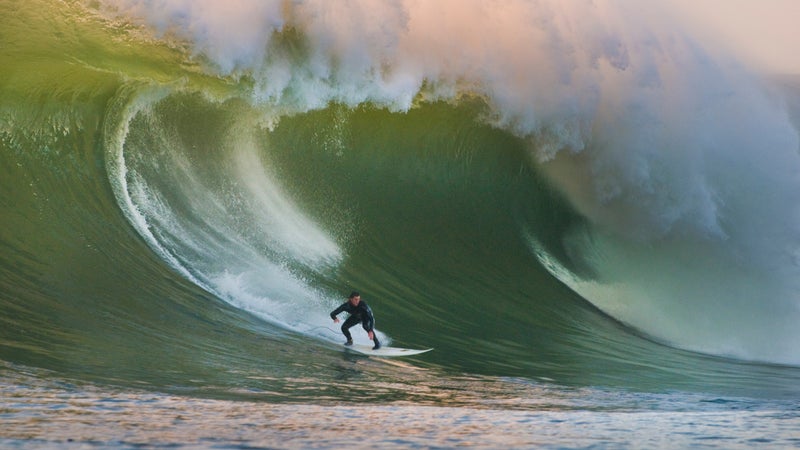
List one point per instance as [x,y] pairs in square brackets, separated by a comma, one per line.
[385,351]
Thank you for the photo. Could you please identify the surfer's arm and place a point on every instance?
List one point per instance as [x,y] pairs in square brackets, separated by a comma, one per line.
[369,320]
[337,311]
[369,323]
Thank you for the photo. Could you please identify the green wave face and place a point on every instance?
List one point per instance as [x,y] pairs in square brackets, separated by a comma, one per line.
[166,221]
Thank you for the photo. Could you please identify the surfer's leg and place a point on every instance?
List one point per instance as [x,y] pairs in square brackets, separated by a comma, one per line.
[374,336]
[375,340]
[346,328]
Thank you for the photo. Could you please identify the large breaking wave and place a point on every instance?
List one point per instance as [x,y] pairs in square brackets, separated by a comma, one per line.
[491,176]
[683,163]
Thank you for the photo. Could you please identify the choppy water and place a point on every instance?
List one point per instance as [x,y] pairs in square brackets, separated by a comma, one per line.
[597,231]
[506,413]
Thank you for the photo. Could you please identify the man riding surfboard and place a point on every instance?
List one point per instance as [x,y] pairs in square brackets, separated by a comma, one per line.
[359,312]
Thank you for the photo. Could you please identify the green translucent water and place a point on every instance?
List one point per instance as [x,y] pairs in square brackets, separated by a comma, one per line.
[169,246]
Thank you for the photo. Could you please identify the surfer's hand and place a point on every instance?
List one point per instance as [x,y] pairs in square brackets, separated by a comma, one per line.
[371,335]
[335,320]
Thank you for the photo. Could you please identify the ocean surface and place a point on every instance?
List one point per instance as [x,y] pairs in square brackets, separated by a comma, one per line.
[591,216]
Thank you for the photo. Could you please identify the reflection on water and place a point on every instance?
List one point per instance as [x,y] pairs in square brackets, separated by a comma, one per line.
[38,411]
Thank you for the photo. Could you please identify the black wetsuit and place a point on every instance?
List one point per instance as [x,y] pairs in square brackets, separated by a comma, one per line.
[360,313]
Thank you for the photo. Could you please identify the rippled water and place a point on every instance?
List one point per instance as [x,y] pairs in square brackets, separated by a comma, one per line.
[42,412]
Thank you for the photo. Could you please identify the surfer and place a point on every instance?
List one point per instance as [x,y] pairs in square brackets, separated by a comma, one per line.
[359,312]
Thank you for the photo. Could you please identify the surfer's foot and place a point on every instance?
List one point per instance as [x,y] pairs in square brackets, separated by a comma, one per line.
[349,342]
[377,346]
